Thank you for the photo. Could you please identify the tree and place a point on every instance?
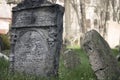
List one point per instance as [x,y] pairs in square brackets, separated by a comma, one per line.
[67,21]
[13,1]
[53,1]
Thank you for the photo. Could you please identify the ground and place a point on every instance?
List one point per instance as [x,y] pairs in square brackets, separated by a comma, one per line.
[81,72]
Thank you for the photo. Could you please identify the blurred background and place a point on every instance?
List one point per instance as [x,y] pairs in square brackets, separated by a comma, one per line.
[80,17]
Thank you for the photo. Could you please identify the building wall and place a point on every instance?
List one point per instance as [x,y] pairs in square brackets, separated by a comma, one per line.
[4,26]
[113,34]
[5,16]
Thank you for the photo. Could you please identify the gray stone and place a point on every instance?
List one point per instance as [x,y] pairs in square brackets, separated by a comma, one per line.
[36,37]
[118,48]
[118,57]
[63,48]
[1,44]
[0,47]
[71,59]
[4,56]
[100,56]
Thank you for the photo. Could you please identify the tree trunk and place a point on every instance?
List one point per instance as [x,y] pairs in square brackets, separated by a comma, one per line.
[67,21]
[83,16]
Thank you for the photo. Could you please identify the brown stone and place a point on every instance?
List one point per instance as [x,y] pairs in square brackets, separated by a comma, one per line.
[100,56]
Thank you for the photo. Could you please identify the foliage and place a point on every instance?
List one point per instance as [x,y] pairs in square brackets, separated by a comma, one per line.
[81,72]
[5,41]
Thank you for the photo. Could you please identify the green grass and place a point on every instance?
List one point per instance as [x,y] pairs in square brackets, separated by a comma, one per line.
[82,72]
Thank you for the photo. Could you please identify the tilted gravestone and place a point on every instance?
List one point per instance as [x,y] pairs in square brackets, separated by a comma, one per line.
[36,37]
[100,55]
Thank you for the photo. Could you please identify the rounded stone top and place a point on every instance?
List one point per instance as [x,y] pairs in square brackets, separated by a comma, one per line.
[32,4]
[32,1]
[38,1]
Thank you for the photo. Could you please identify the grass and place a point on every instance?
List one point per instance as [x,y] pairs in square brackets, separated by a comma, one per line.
[82,72]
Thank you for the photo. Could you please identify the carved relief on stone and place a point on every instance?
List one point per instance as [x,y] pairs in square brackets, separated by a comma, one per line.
[52,36]
[13,39]
[30,50]
[39,28]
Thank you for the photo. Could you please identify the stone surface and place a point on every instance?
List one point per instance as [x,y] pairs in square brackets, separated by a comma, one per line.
[63,48]
[4,56]
[1,44]
[36,37]
[100,56]
[0,48]
[118,57]
[71,58]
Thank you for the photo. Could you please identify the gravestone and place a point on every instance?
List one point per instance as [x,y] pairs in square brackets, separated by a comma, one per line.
[63,48]
[36,37]
[71,59]
[3,56]
[100,56]
[118,57]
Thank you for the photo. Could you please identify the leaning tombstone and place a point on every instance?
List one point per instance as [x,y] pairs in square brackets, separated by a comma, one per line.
[100,56]
[36,37]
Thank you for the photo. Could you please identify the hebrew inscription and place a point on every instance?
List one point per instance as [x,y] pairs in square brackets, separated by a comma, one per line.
[33,17]
[31,49]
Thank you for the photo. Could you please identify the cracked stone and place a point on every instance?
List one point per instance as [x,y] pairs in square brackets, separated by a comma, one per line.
[100,56]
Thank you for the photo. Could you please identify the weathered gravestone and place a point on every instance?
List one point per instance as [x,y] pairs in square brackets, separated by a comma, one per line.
[102,62]
[36,37]
[63,48]
[71,58]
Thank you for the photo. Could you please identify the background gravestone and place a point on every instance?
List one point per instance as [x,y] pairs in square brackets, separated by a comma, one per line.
[118,57]
[36,37]
[100,55]
[71,59]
